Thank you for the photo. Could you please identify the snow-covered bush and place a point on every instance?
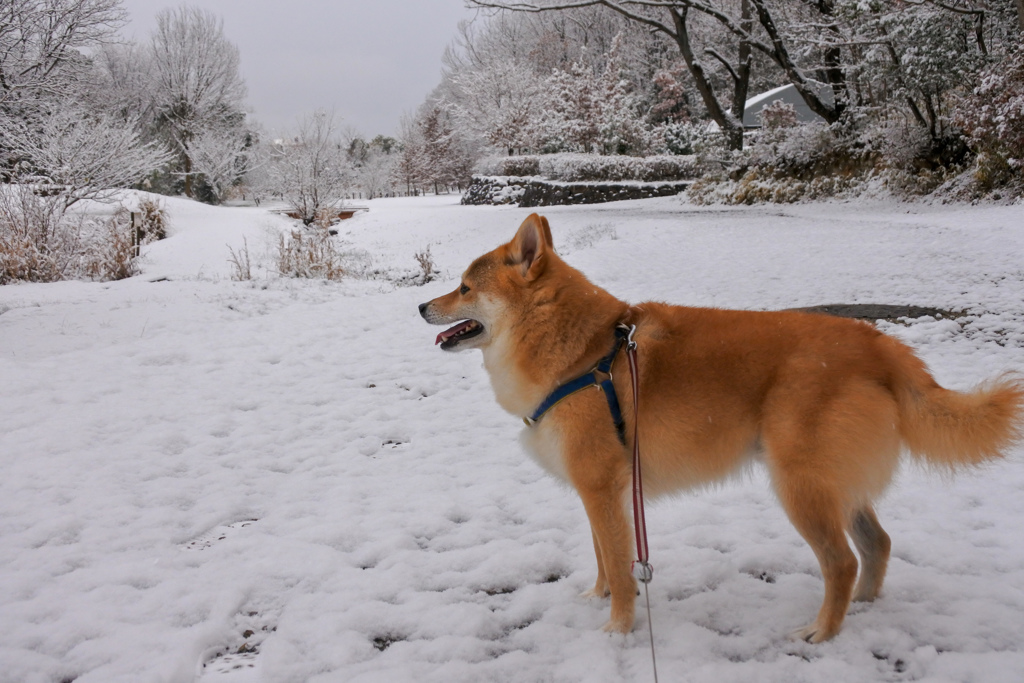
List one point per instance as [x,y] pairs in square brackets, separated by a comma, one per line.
[896,144]
[812,161]
[777,115]
[111,251]
[521,166]
[37,242]
[992,117]
[683,137]
[41,241]
[802,152]
[571,167]
[309,253]
[152,220]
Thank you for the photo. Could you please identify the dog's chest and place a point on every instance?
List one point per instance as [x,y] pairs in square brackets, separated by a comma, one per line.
[514,392]
[544,446]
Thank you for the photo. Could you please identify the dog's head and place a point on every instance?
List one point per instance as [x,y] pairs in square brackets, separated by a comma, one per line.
[497,289]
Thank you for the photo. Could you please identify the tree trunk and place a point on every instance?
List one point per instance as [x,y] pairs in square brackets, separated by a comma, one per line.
[780,54]
[742,81]
[834,74]
[1020,15]
[188,176]
[732,127]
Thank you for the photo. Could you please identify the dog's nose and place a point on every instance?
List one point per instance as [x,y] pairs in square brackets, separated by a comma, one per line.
[423,310]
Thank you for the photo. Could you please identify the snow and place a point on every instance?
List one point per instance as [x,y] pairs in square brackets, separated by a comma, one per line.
[187,459]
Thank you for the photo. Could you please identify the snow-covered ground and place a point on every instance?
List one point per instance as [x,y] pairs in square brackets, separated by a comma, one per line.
[192,466]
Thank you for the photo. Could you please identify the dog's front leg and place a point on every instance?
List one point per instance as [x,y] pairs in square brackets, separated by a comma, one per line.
[601,476]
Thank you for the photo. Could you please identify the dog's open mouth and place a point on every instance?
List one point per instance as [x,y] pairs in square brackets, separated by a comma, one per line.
[453,335]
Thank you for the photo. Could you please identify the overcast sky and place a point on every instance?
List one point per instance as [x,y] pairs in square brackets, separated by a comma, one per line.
[371,60]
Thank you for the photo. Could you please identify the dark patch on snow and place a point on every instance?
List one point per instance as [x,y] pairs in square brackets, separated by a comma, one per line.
[889,312]
[384,642]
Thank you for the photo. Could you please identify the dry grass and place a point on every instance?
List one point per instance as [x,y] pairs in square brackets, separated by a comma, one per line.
[426,262]
[42,242]
[152,219]
[309,253]
[241,262]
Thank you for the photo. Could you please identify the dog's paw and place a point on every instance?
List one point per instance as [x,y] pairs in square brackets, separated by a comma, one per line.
[812,633]
[618,626]
[596,592]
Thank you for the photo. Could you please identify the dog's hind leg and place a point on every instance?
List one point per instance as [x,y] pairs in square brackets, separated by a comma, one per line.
[873,544]
[830,448]
[818,515]
[600,589]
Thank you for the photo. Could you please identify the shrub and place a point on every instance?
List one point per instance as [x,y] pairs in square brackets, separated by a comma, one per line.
[777,115]
[110,251]
[40,241]
[241,262]
[152,220]
[992,118]
[571,167]
[683,137]
[309,253]
[428,271]
[37,242]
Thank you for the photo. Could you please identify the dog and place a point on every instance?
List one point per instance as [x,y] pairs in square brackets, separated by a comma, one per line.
[827,403]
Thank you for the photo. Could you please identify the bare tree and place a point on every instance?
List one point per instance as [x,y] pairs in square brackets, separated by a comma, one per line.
[41,43]
[197,84]
[311,170]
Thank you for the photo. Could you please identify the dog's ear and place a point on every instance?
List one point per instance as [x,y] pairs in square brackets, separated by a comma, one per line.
[531,245]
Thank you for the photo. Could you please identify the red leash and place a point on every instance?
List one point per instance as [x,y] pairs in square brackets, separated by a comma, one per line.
[642,569]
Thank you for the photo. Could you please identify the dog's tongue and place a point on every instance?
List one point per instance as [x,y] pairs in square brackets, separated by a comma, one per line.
[452,331]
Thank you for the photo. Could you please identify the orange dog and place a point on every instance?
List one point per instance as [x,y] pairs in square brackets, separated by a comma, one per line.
[827,403]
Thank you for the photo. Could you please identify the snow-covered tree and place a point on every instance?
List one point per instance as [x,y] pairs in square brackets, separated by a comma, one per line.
[442,161]
[220,157]
[376,171]
[580,111]
[672,18]
[122,82]
[81,155]
[992,115]
[42,44]
[310,170]
[197,86]
[498,101]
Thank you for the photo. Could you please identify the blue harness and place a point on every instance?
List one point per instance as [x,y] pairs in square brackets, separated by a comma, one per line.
[591,379]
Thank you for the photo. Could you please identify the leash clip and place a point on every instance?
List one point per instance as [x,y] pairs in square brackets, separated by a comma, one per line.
[630,344]
[642,571]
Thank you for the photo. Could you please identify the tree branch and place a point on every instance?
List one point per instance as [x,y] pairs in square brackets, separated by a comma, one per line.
[711,52]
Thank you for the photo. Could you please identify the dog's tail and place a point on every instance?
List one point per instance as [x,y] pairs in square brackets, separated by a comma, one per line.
[951,429]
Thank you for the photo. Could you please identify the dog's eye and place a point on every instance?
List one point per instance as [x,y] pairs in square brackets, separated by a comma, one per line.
[463,289]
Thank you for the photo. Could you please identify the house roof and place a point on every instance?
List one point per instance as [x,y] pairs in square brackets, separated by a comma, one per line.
[787,93]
